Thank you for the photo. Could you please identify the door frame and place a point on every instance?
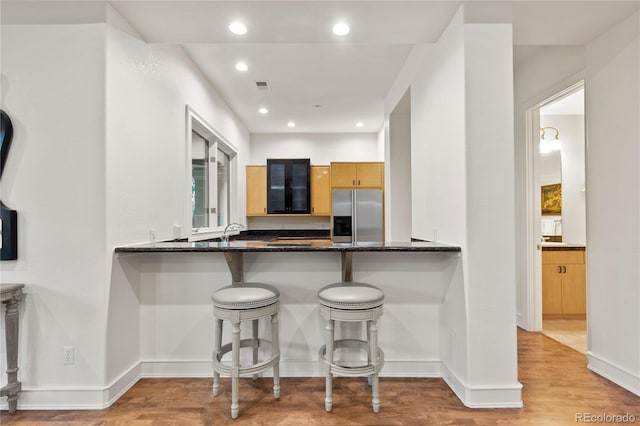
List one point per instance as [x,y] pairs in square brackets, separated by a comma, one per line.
[533,286]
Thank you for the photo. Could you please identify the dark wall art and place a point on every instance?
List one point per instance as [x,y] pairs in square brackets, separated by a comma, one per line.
[8,217]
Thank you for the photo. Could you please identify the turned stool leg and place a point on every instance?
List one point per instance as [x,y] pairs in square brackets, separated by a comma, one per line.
[373,351]
[216,350]
[235,366]
[275,351]
[328,400]
[370,377]
[254,344]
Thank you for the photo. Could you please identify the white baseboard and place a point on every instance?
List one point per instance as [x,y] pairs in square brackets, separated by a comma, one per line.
[92,398]
[615,373]
[76,398]
[489,396]
[288,369]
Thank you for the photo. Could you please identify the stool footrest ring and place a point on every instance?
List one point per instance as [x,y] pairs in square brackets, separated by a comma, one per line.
[352,371]
[247,370]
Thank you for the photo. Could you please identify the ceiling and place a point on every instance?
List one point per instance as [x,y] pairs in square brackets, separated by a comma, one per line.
[323,82]
[572,104]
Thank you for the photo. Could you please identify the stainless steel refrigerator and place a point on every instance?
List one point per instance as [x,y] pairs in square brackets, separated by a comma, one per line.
[356,216]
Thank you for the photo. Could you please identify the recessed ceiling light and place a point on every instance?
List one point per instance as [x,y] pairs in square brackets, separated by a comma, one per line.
[241,66]
[341,29]
[291,124]
[238,28]
[359,124]
[263,110]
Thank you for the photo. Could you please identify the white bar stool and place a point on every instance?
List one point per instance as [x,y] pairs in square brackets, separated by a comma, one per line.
[353,302]
[237,303]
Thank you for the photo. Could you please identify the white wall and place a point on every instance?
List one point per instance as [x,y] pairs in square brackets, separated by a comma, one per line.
[398,193]
[321,148]
[460,147]
[53,85]
[147,172]
[613,203]
[535,81]
[98,158]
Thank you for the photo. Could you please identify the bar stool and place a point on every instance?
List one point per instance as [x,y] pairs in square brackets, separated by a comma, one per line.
[237,303]
[352,302]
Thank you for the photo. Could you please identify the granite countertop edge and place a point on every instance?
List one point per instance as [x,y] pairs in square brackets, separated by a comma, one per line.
[240,247]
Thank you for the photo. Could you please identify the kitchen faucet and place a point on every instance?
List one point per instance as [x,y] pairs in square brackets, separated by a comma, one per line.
[233,226]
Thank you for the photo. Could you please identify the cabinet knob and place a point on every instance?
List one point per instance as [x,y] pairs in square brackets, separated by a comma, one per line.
[559,269]
[564,269]
[358,182]
[353,183]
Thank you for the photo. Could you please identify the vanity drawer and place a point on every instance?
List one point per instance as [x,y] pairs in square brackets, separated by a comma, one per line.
[562,256]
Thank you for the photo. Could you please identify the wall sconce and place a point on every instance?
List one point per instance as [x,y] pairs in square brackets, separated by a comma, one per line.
[546,146]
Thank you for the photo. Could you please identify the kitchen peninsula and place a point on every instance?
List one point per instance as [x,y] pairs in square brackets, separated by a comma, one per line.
[176,280]
[233,250]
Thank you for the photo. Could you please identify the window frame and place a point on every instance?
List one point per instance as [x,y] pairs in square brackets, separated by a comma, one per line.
[195,123]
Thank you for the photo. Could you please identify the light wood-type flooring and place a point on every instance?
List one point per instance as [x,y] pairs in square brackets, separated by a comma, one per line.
[569,332]
[556,386]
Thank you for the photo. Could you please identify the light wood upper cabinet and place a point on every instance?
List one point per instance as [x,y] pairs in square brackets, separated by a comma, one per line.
[343,175]
[564,282]
[357,175]
[320,191]
[370,175]
[256,190]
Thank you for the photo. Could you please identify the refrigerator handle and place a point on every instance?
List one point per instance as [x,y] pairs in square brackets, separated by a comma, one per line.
[354,224]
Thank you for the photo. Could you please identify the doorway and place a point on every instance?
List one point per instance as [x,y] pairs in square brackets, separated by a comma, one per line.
[558,225]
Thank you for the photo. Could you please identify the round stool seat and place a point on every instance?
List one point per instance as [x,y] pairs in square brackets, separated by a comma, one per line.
[351,296]
[245,296]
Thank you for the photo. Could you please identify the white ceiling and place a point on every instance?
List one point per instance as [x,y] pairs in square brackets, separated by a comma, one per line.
[290,45]
[569,105]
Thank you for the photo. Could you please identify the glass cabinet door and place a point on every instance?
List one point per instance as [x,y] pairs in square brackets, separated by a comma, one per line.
[288,186]
[276,193]
[300,194]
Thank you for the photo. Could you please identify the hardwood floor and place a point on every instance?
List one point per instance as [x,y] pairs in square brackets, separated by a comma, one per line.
[556,386]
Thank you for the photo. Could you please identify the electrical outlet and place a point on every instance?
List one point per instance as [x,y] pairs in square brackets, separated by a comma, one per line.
[435,233]
[177,231]
[152,235]
[68,354]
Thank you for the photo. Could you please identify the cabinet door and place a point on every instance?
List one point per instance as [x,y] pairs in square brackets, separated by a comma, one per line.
[320,191]
[276,187]
[343,175]
[369,175]
[256,190]
[298,191]
[551,289]
[574,295]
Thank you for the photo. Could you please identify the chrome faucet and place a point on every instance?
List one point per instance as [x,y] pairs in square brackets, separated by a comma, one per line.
[233,226]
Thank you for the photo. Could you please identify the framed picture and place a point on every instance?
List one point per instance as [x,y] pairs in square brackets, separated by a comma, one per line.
[551,200]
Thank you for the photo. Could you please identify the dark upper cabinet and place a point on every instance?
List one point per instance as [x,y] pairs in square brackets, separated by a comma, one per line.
[288,186]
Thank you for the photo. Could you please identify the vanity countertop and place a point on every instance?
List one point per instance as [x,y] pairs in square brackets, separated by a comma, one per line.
[552,246]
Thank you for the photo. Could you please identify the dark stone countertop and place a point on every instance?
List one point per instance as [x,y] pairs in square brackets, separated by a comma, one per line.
[306,245]
[561,247]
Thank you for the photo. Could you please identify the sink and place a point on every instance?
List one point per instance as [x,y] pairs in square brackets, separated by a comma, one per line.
[288,244]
